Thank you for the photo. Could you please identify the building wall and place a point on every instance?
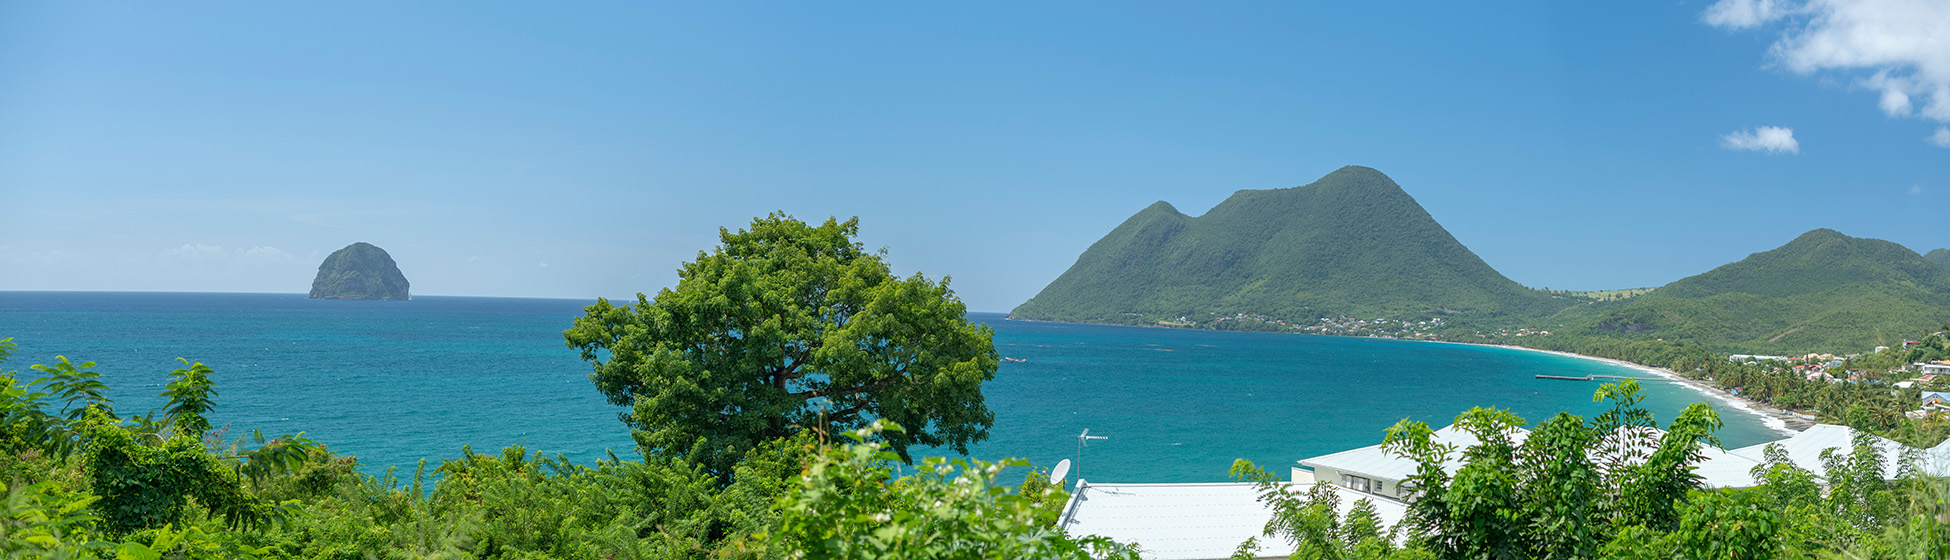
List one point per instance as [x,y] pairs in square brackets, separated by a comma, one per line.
[1387,488]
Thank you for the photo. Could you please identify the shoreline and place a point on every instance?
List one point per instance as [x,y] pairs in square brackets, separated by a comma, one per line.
[1776,418]
[1779,419]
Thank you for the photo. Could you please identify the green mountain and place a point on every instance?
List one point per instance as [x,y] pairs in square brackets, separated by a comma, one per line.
[359,271]
[1352,243]
[1823,291]
[1939,256]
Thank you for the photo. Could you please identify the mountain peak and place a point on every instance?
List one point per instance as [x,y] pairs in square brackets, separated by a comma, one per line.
[1939,256]
[1823,290]
[1161,207]
[1350,243]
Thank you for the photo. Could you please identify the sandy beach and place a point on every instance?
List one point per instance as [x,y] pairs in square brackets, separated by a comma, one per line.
[1780,419]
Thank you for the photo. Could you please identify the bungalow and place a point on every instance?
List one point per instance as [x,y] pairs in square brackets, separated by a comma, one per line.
[1936,399]
[1374,471]
[1934,368]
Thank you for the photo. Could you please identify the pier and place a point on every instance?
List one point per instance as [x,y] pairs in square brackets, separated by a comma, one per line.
[1594,377]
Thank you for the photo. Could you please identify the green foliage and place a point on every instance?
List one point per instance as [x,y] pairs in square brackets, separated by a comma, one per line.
[848,504]
[191,396]
[1352,243]
[787,327]
[360,271]
[1726,526]
[144,486]
[1558,494]
[1048,497]
[76,387]
[42,522]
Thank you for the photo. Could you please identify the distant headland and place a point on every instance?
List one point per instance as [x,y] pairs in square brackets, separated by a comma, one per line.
[359,271]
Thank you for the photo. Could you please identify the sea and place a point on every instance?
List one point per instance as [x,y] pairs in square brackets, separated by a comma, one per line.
[394,382]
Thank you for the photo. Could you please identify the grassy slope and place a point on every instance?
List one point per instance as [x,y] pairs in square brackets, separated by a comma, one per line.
[1352,243]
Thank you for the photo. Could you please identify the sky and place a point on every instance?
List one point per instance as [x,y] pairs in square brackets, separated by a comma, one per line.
[581,151]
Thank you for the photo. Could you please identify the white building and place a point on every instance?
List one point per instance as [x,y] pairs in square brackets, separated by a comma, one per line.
[1804,449]
[1374,471]
[1185,521]
[1190,521]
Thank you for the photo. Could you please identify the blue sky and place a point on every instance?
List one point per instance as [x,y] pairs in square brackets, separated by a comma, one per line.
[510,150]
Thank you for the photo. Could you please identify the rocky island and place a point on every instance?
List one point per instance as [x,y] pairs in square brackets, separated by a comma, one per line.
[359,271]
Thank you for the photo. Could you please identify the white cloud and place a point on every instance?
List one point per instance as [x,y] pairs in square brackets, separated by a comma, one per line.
[200,253]
[1770,139]
[1902,45]
[541,265]
[1740,14]
[1941,139]
[1916,189]
[193,253]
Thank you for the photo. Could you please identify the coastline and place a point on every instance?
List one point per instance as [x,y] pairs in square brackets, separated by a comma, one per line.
[1781,420]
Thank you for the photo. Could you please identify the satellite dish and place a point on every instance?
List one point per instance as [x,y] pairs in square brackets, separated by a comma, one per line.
[1062,470]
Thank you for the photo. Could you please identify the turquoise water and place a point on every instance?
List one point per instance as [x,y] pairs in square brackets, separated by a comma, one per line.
[392,382]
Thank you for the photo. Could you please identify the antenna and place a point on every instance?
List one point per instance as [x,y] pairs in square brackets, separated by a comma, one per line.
[1083,440]
[1056,475]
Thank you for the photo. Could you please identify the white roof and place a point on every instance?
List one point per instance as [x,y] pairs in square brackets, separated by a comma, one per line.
[1723,469]
[1376,463]
[1804,449]
[1192,520]
[1719,468]
[1936,460]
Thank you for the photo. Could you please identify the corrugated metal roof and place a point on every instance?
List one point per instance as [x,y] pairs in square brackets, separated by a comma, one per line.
[1804,449]
[1723,469]
[1375,462]
[1189,521]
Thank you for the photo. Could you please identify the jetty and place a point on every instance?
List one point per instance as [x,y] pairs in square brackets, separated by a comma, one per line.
[1593,377]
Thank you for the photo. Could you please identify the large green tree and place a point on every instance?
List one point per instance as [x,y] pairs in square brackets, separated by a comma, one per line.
[785,327]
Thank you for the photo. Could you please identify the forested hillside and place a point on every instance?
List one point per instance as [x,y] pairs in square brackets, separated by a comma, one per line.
[1822,291]
[1353,243]
[1939,256]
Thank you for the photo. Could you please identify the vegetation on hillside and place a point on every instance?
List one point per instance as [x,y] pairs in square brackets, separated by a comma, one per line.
[1823,291]
[1939,256]
[1352,243]
[1312,259]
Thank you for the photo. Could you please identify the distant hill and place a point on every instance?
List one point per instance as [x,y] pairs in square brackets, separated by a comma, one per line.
[1939,256]
[359,271]
[1822,291]
[1352,243]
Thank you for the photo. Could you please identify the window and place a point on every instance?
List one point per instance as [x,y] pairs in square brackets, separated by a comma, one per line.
[1355,482]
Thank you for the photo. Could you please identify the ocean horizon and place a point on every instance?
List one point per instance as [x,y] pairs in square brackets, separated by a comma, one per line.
[392,382]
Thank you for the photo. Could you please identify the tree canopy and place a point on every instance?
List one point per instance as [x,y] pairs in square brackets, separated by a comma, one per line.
[785,327]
